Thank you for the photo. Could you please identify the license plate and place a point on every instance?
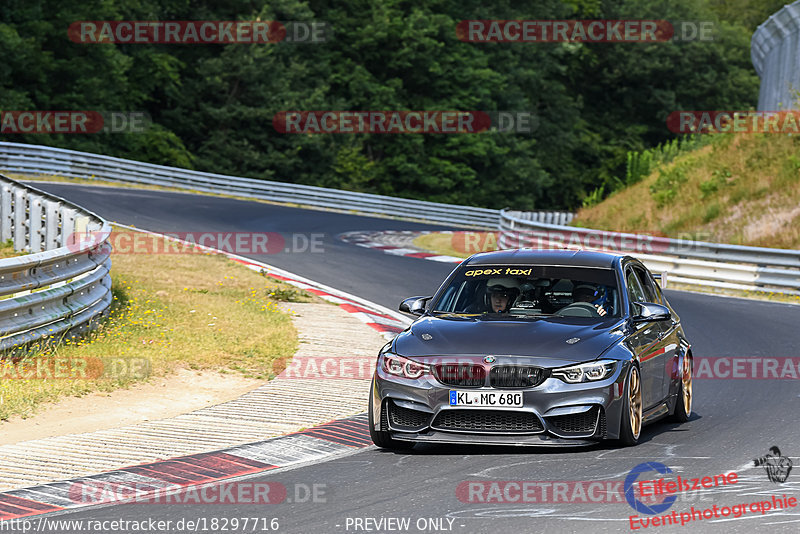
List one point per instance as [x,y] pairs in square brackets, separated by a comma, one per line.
[481,399]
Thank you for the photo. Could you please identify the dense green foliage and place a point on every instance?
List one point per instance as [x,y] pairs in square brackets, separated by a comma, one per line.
[212,105]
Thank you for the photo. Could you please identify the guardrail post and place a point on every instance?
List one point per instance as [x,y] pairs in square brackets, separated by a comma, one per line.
[81,228]
[36,223]
[52,215]
[6,212]
[20,219]
[68,216]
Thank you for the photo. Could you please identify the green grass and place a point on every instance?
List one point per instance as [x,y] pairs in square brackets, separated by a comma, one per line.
[196,311]
[741,189]
[7,250]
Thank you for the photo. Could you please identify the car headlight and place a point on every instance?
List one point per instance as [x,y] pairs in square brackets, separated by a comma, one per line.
[585,372]
[400,366]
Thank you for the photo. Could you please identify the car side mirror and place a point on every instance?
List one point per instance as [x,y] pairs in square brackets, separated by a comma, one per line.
[414,305]
[650,311]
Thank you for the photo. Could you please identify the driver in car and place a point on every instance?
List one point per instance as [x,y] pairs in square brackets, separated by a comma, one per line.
[587,293]
[501,293]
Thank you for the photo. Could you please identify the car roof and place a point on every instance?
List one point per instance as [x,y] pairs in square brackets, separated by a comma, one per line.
[577,258]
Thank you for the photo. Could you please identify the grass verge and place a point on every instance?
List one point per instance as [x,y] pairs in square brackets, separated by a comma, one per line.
[742,189]
[7,250]
[458,244]
[197,311]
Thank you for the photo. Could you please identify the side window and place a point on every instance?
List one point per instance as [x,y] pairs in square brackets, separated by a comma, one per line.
[648,287]
[447,299]
[462,298]
[634,289]
[451,296]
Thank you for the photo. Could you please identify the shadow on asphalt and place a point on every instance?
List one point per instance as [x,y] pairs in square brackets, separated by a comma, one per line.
[649,433]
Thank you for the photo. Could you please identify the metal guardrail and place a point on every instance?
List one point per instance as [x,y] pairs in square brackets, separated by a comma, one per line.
[685,261]
[36,159]
[63,285]
[774,52]
[546,217]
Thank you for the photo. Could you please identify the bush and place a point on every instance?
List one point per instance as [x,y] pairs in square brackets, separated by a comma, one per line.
[640,164]
[667,184]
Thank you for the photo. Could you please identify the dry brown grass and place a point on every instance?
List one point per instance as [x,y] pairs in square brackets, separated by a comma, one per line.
[742,189]
[197,311]
[459,244]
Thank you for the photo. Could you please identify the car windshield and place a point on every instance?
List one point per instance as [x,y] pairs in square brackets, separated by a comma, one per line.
[530,291]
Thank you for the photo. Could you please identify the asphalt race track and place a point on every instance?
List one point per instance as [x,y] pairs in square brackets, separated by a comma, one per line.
[734,420]
[341,265]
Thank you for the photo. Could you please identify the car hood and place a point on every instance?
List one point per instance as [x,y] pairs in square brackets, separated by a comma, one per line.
[544,338]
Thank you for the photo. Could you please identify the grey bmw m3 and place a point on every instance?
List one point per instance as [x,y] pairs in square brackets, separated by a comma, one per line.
[528,347]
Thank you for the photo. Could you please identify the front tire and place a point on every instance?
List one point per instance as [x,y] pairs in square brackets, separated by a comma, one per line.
[631,421]
[383,438]
[683,406]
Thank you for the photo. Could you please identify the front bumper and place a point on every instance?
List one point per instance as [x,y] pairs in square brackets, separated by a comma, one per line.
[540,440]
[553,413]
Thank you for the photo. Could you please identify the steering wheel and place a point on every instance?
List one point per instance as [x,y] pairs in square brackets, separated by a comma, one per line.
[582,309]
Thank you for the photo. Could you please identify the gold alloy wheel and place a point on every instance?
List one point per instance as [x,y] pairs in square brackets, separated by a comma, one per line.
[687,385]
[635,402]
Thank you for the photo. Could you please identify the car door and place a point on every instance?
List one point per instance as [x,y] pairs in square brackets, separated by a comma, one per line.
[644,341]
[671,338]
[666,349]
